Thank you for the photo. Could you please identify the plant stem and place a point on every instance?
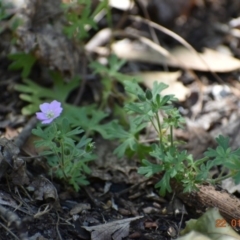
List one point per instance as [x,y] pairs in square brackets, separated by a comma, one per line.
[62,159]
[171,135]
[160,129]
[214,181]
[200,161]
[154,125]
[222,172]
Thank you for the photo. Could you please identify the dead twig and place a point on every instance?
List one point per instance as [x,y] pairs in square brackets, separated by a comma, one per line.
[57,226]
[26,132]
[9,231]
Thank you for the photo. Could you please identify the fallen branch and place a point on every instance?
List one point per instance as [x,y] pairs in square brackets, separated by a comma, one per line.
[209,196]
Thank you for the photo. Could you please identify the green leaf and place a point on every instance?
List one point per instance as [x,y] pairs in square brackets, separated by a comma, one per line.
[116,131]
[74,132]
[165,99]
[22,61]
[129,138]
[203,174]
[122,148]
[158,88]
[36,94]
[236,177]
[135,108]
[223,142]
[3,10]
[149,94]
[84,141]
[149,168]
[78,22]
[61,88]
[115,64]
[88,118]
[133,88]
[86,169]
[101,6]
[39,132]
[141,97]
[164,184]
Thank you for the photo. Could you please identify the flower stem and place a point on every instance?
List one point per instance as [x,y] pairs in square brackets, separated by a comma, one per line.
[171,135]
[159,128]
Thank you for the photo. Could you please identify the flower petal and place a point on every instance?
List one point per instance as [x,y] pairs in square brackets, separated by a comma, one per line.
[47,121]
[55,104]
[56,108]
[44,107]
[57,111]
[41,116]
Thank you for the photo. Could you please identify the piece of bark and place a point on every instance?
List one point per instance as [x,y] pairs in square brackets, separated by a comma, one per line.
[9,150]
[209,196]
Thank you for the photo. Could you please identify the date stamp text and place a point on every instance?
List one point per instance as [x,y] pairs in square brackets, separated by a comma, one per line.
[221,223]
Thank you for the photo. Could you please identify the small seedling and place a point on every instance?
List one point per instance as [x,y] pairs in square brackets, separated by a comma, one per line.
[66,155]
[170,163]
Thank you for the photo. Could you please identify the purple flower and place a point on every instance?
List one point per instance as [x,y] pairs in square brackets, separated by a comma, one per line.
[50,111]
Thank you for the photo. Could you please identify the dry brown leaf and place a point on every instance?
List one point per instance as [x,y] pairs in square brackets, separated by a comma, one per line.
[169,78]
[136,51]
[108,167]
[29,146]
[100,38]
[11,133]
[116,230]
[209,60]
[80,207]
[7,200]
[230,185]
[19,172]
[43,189]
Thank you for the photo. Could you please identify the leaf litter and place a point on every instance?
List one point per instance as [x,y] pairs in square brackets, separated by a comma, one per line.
[50,52]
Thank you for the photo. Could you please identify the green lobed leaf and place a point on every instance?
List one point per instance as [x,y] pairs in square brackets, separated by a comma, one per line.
[149,168]
[164,184]
[22,61]
[158,88]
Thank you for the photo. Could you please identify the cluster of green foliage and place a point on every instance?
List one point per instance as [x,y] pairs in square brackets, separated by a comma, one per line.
[170,163]
[67,154]
[80,18]
[67,147]
[69,150]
